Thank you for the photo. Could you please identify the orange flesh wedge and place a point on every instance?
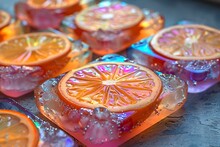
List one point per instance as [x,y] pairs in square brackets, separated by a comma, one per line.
[16,129]
[188,42]
[52,4]
[4,19]
[33,49]
[119,87]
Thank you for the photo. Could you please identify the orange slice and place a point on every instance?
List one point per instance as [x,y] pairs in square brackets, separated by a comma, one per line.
[52,4]
[188,42]
[33,49]
[4,19]
[16,129]
[116,16]
[116,86]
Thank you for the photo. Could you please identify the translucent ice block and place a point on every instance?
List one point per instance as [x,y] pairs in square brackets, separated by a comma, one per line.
[14,29]
[42,15]
[5,20]
[101,127]
[111,41]
[199,74]
[16,81]
[49,135]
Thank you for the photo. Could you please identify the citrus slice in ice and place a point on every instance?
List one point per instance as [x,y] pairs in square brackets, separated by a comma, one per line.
[52,4]
[188,42]
[33,49]
[115,16]
[116,86]
[16,129]
[4,19]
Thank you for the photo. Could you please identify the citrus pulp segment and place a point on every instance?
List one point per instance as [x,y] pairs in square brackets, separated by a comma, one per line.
[117,16]
[52,4]
[33,49]
[116,86]
[188,42]
[4,19]
[16,129]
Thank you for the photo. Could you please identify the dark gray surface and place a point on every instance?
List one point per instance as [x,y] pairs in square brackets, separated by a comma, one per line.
[198,11]
[197,124]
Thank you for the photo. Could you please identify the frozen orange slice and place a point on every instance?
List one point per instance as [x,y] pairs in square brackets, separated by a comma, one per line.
[188,42]
[52,4]
[33,49]
[116,86]
[4,19]
[115,16]
[16,129]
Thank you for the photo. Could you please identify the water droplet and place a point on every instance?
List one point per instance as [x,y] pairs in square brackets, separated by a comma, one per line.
[101,113]
[41,101]
[194,83]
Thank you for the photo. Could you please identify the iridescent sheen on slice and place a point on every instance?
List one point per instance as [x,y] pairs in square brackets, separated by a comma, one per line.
[114,16]
[188,42]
